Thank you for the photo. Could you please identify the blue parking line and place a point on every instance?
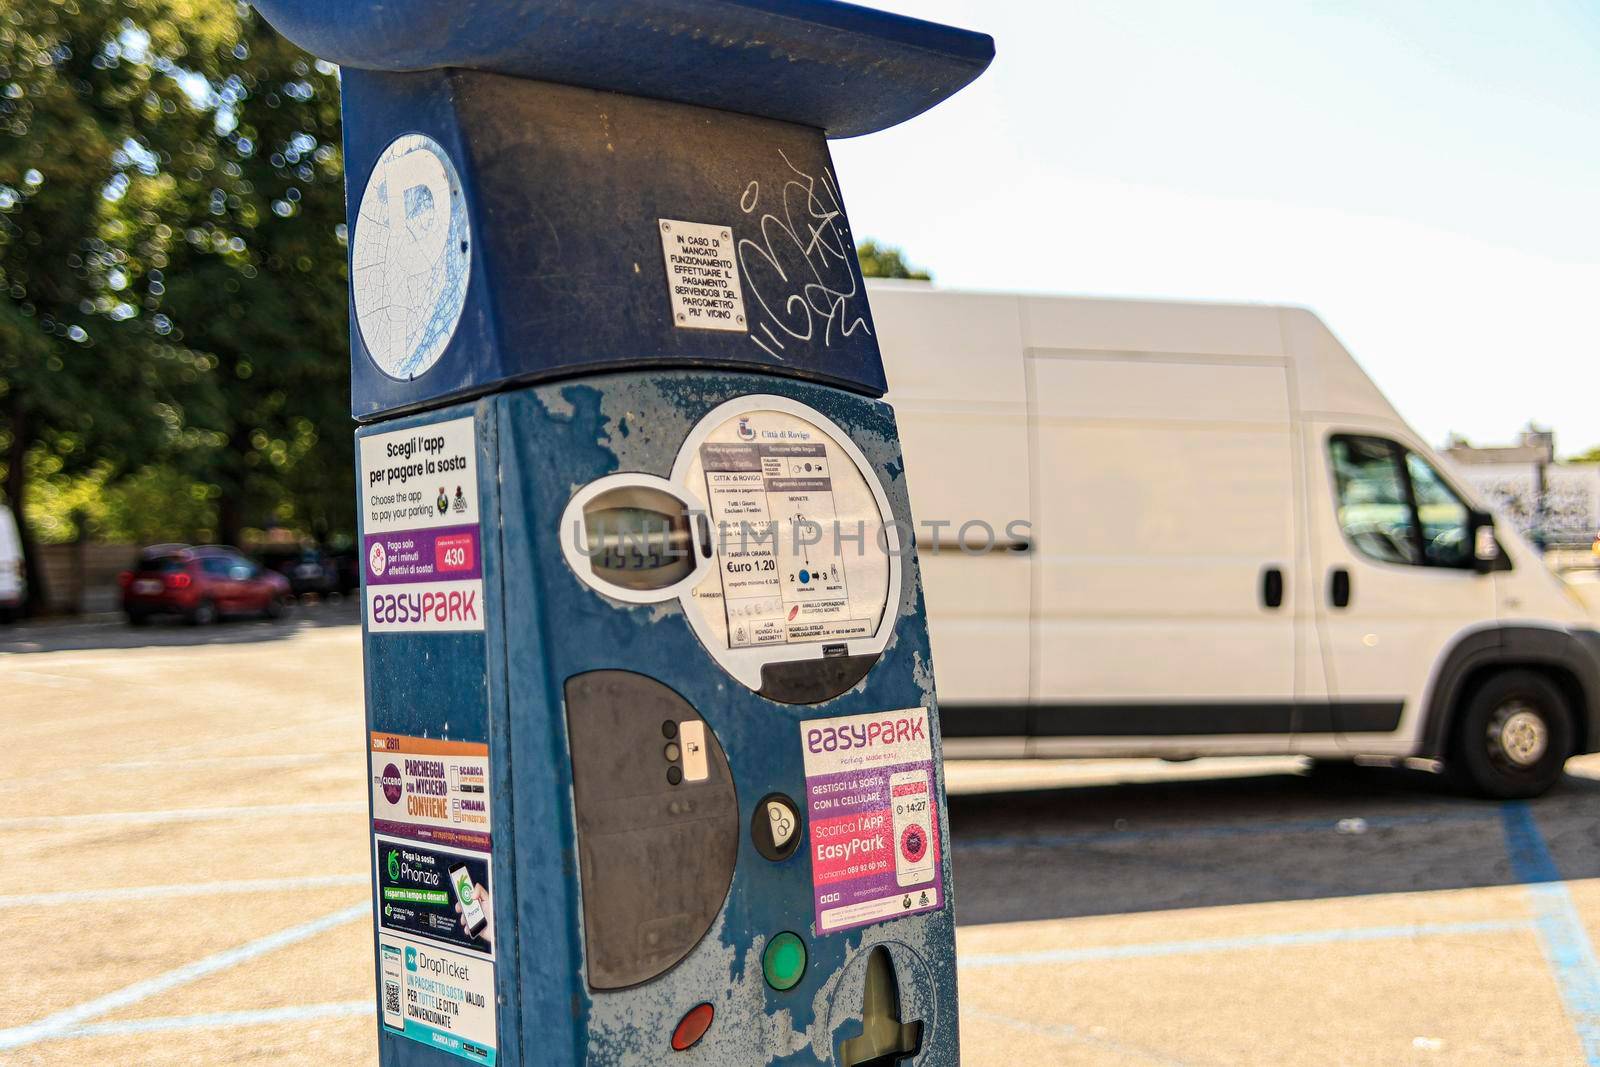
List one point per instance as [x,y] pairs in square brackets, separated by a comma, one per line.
[1566,943]
[1178,833]
[972,961]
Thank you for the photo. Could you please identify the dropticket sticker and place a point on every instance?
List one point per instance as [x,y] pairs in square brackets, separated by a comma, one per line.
[873,817]
[438,997]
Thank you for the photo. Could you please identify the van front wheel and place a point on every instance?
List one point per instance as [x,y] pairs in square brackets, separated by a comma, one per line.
[1515,736]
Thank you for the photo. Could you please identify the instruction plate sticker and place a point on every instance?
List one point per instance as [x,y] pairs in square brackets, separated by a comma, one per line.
[702,276]
[421,544]
[873,817]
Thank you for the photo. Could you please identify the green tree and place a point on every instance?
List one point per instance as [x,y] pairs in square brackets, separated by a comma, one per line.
[100,111]
[258,284]
[883,261]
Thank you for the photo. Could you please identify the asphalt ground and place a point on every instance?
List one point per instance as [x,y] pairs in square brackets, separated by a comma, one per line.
[182,823]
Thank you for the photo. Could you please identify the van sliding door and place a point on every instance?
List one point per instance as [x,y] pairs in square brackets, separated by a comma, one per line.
[1166,597]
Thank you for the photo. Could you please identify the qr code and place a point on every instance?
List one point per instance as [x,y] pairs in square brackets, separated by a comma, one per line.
[391,998]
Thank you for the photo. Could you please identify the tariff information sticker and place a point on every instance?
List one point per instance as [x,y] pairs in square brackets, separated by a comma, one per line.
[420,535]
[778,585]
[438,997]
[874,823]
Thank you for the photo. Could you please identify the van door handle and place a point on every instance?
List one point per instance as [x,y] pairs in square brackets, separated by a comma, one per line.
[1339,587]
[1272,587]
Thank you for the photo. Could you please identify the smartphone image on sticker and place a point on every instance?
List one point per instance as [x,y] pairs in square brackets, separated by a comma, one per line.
[472,913]
[911,796]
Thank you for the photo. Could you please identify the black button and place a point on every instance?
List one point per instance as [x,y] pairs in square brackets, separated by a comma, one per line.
[669,729]
[674,775]
[776,827]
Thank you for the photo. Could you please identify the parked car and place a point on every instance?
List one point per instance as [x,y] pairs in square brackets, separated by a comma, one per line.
[201,584]
[309,570]
[1229,543]
[13,575]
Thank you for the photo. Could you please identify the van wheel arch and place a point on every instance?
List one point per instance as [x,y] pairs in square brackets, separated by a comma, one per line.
[1570,664]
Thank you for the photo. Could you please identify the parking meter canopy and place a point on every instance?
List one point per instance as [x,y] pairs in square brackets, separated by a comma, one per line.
[620,186]
[839,68]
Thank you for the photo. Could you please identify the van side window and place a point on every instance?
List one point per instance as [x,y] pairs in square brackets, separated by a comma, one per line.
[1394,507]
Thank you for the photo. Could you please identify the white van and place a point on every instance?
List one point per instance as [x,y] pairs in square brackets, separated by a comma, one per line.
[1230,544]
[13,580]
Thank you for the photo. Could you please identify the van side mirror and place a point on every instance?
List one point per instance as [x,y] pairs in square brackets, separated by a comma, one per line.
[1486,552]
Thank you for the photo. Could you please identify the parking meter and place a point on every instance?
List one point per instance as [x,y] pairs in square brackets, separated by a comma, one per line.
[651,722]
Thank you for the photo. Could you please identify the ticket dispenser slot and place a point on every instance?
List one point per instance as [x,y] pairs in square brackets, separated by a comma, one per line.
[658,824]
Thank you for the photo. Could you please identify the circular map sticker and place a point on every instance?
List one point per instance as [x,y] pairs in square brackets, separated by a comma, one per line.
[409,262]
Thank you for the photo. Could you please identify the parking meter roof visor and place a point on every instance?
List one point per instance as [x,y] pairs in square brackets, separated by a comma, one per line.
[840,68]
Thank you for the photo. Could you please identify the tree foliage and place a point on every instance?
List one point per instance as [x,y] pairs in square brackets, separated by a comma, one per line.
[172,307]
[884,261]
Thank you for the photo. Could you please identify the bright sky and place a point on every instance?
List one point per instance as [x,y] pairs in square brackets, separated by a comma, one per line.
[1425,176]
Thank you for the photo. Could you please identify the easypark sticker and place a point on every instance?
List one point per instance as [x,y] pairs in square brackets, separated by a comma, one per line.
[873,814]
[421,542]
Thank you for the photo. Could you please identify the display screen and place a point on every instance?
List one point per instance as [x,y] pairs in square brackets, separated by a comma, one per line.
[638,538]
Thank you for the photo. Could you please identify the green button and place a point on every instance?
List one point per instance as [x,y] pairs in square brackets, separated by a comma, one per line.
[784,962]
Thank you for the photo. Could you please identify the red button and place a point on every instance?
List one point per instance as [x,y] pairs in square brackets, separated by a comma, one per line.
[692,1027]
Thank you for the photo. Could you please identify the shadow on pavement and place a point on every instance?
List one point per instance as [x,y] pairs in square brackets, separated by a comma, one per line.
[114,632]
[1335,832]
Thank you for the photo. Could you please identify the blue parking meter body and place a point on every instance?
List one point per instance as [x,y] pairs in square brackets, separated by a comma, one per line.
[651,723]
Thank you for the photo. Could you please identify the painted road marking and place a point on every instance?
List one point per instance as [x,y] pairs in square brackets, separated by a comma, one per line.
[1071,1034]
[53,1026]
[182,889]
[1566,944]
[225,1020]
[1178,833]
[1237,944]
[145,818]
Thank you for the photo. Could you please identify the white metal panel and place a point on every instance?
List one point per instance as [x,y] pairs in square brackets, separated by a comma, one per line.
[1153,532]
[956,380]
[1150,326]
[978,624]
[1111,386]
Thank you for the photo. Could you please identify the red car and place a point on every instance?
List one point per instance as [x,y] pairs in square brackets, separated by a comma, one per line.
[201,584]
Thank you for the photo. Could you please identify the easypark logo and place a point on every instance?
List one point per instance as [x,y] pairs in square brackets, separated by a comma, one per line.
[426,606]
[400,608]
[868,734]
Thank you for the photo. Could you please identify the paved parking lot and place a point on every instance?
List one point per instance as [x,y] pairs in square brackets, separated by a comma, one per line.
[182,814]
